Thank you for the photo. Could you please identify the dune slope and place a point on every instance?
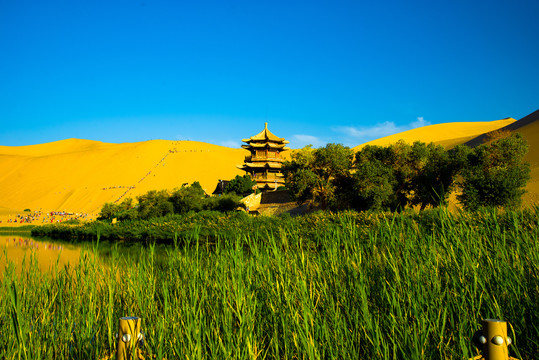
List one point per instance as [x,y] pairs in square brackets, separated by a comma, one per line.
[448,134]
[81,175]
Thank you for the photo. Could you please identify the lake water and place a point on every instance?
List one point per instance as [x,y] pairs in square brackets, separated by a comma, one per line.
[18,249]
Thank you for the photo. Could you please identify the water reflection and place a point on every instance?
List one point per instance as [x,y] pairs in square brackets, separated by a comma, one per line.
[19,249]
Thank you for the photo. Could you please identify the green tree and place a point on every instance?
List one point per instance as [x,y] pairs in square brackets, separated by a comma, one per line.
[299,175]
[370,185]
[401,174]
[240,185]
[313,173]
[383,175]
[187,198]
[435,178]
[223,203]
[496,174]
[154,204]
[122,211]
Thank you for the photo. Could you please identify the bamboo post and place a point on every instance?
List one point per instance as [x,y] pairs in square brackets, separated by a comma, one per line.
[129,336]
[493,340]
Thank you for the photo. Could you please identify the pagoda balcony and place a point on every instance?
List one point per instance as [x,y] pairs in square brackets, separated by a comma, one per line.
[263,158]
[269,181]
[267,177]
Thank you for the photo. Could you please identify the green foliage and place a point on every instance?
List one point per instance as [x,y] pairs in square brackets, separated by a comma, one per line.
[496,174]
[312,172]
[299,176]
[370,185]
[399,175]
[436,177]
[383,285]
[402,175]
[240,185]
[187,198]
[154,204]
[224,203]
[124,210]
[157,204]
[373,183]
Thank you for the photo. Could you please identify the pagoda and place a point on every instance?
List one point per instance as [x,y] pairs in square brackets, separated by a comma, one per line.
[264,163]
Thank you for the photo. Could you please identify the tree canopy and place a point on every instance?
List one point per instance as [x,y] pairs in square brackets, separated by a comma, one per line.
[312,173]
[495,174]
[161,203]
[240,185]
[401,175]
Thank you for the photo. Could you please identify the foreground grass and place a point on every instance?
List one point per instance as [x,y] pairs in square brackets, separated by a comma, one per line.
[394,286]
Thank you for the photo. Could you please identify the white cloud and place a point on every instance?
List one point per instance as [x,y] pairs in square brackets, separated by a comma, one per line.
[377,131]
[301,140]
[230,143]
[419,123]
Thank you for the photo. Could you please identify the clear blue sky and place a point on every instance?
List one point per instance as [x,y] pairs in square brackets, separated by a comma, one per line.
[215,71]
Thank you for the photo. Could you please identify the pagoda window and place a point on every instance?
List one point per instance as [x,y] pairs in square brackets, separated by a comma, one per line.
[260,153]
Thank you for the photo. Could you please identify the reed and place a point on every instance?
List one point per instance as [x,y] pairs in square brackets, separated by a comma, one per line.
[383,286]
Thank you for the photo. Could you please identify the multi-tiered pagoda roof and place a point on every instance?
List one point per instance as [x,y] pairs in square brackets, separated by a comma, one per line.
[265,161]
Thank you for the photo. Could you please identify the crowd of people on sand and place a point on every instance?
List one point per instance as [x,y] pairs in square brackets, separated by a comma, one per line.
[118,187]
[20,242]
[49,217]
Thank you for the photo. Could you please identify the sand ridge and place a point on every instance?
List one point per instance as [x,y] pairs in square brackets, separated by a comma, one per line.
[447,134]
[79,176]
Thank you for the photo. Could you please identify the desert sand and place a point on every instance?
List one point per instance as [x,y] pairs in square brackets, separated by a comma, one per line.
[448,134]
[79,176]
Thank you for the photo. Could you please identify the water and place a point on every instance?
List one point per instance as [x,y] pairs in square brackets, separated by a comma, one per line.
[50,255]
[54,255]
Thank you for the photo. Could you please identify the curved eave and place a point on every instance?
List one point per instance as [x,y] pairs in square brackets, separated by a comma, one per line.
[262,165]
[279,181]
[265,145]
[264,159]
[265,135]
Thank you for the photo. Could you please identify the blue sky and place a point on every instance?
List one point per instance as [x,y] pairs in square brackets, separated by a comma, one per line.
[215,71]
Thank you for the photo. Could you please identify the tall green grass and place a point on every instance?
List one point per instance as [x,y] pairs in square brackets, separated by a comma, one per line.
[370,286]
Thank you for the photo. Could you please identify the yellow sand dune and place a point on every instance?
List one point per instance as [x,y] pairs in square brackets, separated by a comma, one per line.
[81,175]
[447,134]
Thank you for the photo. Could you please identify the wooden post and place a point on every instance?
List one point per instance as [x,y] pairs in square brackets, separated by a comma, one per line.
[493,340]
[128,336]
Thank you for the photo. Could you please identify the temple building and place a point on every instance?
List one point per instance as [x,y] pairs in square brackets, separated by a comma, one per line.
[265,161]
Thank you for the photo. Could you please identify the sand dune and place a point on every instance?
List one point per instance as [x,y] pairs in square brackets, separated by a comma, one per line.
[79,176]
[447,134]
